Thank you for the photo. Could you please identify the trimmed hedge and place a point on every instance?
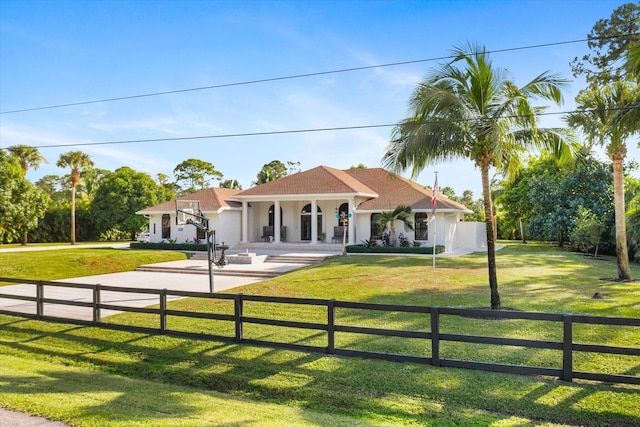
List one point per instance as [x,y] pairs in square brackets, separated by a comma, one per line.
[170,246]
[362,249]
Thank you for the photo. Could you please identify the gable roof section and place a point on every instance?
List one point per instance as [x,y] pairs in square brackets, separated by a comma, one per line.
[211,200]
[394,190]
[319,180]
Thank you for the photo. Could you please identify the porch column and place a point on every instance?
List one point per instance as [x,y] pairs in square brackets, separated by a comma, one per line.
[352,223]
[314,222]
[245,222]
[276,221]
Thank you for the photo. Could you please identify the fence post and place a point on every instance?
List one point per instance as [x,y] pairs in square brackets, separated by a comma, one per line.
[435,336]
[567,348]
[238,316]
[96,304]
[39,296]
[331,326]
[163,311]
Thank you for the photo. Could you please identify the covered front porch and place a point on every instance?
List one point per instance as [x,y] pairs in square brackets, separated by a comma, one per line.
[322,223]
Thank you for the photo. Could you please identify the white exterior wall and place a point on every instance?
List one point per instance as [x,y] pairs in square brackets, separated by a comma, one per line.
[472,235]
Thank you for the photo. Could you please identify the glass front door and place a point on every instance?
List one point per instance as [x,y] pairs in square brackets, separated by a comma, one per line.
[305,227]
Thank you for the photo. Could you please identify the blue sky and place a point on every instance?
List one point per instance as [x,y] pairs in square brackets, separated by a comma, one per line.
[56,52]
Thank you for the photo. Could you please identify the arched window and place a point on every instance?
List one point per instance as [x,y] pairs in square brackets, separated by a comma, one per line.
[166,226]
[305,221]
[343,212]
[307,209]
[421,226]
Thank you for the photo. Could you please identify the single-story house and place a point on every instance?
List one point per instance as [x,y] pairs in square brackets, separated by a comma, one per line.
[306,207]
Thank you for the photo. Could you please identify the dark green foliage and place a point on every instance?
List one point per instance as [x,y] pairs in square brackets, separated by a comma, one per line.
[548,199]
[120,195]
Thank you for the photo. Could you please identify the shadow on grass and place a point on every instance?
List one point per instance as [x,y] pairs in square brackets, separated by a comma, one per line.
[367,389]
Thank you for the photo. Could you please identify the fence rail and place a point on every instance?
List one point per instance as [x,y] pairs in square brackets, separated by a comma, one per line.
[434,315]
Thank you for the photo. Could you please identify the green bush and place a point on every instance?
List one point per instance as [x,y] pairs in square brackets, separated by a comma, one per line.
[169,246]
[363,249]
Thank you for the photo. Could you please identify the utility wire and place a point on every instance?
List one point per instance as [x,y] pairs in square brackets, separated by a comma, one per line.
[297,131]
[298,76]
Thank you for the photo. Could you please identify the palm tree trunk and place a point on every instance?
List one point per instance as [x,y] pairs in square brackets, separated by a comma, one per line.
[73,215]
[624,273]
[491,243]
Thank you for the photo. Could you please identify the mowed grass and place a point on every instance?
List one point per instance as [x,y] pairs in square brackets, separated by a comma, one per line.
[90,376]
[78,262]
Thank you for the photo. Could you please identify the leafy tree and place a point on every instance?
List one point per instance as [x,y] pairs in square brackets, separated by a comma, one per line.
[633,217]
[275,169]
[596,112]
[57,187]
[474,112]
[121,194]
[168,189]
[555,196]
[360,166]
[196,173]
[21,203]
[90,181]
[449,192]
[27,156]
[609,41]
[515,204]
[587,232]
[77,161]
[231,183]
[400,213]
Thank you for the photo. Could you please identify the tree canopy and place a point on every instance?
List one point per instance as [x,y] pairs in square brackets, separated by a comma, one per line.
[196,174]
[121,194]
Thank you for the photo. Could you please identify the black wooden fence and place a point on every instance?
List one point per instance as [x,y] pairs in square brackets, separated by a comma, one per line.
[566,346]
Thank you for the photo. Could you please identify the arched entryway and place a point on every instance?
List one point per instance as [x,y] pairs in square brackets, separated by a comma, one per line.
[305,222]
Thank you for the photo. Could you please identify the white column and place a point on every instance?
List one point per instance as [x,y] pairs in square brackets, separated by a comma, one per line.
[314,222]
[352,222]
[245,222]
[276,221]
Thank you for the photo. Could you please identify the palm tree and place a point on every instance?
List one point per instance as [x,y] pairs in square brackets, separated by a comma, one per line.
[472,111]
[27,156]
[598,109]
[77,161]
[400,213]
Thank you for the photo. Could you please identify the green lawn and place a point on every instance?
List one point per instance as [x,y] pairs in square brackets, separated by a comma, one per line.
[88,376]
[78,262]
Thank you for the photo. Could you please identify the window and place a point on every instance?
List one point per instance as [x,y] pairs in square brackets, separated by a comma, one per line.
[166,226]
[421,226]
[375,233]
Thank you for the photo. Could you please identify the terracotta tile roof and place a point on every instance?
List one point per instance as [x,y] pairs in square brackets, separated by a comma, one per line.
[319,180]
[394,190]
[385,189]
[211,200]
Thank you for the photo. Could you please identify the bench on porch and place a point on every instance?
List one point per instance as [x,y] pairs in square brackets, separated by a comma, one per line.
[268,236]
[338,232]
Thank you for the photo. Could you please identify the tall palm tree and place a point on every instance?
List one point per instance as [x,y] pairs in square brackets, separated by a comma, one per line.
[77,161]
[598,108]
[400,213]
[469,109]
[27,156]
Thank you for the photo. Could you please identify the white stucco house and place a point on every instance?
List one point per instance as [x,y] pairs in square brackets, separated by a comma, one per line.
[309,204]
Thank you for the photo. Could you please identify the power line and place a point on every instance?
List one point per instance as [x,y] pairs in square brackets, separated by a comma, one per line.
[294,131]
[298,76]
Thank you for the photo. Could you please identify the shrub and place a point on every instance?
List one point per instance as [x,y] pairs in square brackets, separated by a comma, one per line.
[362,249]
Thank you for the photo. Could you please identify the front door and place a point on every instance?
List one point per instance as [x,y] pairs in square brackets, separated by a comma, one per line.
[305,226]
